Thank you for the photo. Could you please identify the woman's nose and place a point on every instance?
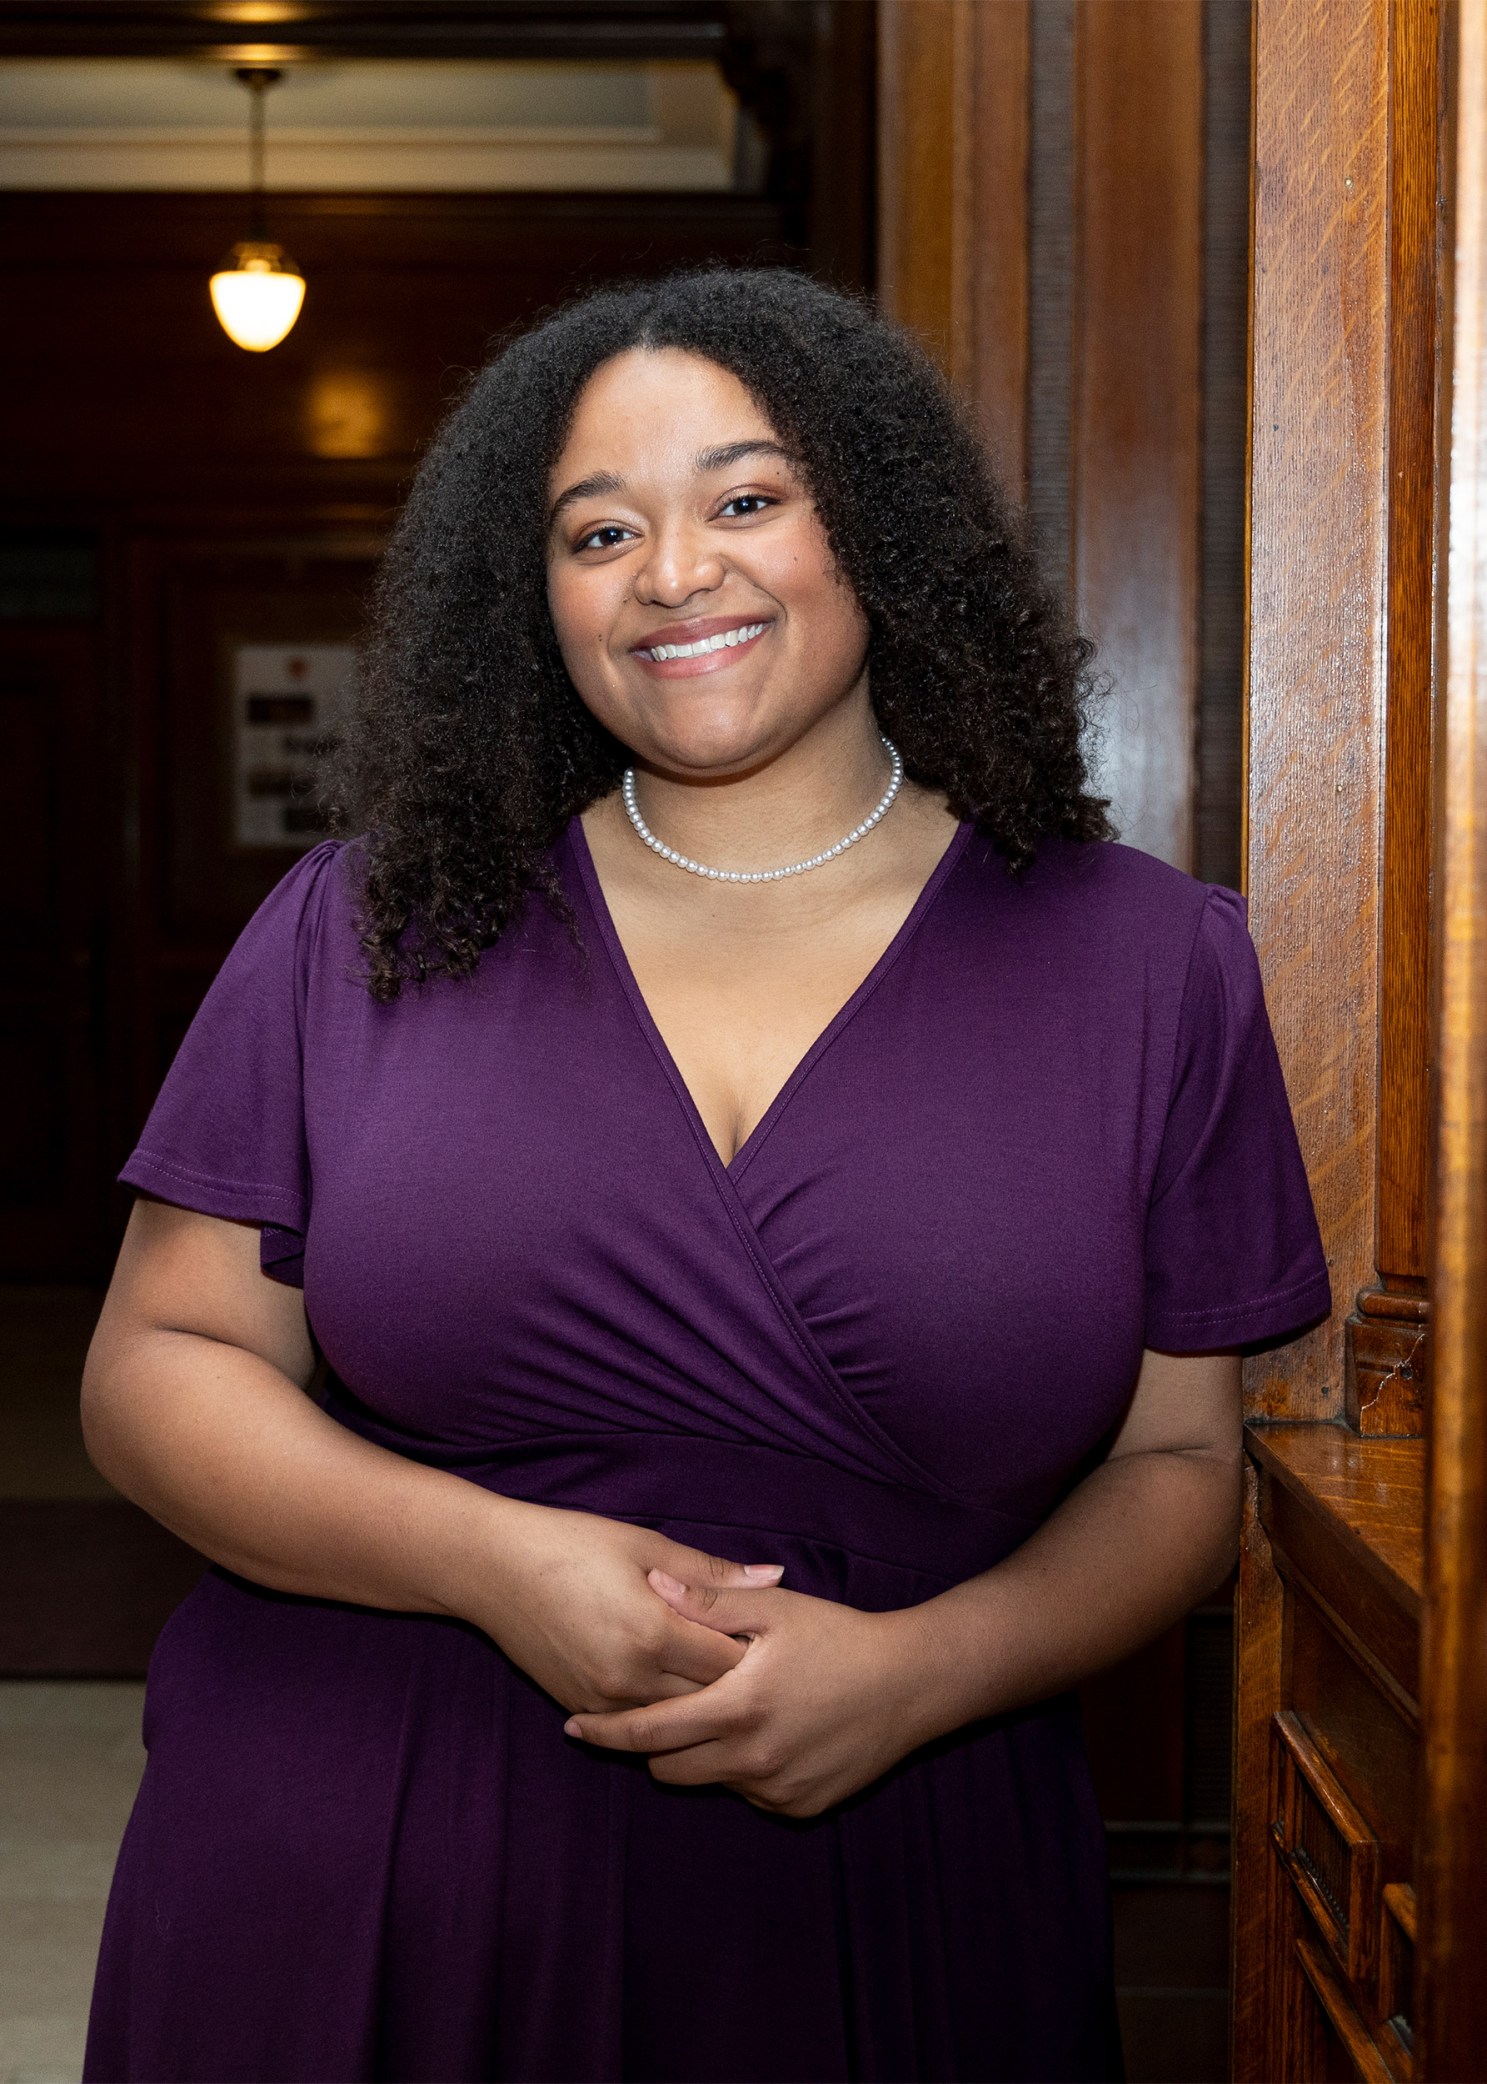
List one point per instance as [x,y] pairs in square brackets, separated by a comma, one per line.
[680,563]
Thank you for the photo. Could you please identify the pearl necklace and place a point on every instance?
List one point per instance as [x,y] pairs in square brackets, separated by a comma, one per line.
[763,875]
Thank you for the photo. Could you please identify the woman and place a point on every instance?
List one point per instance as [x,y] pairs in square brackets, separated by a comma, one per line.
[780,1326]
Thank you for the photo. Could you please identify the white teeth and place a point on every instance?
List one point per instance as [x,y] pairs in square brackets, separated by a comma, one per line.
[725,639]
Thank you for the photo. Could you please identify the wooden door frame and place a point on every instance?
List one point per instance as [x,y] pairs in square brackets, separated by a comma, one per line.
[1453,1828]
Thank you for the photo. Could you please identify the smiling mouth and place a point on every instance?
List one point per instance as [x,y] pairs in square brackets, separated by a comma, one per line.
[721,640]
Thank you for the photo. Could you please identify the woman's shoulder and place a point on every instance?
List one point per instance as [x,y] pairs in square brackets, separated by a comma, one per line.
[315,899]
[1099,898]
[304,932]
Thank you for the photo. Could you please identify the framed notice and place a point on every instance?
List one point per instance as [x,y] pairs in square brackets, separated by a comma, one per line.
[288,705]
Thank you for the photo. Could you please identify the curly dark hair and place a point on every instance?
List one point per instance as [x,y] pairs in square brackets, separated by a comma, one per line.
[470,748]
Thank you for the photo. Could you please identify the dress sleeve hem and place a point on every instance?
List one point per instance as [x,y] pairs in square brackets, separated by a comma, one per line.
[237,1201]
[1241,1324]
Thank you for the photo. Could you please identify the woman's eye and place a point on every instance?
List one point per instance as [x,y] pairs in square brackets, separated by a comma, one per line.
[746,503]
[605,538]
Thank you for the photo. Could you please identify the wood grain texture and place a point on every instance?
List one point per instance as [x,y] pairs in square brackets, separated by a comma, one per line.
[1137,417]
[992,250]
[954,94]
[918,45]
[1345,1900]
[1397,1978]
[1361,2059]
[1258,1633]
[1387,1365]
[1226,297]
[1404,985]
[1341,1522]
[959,253]
[1452,1879]
[1317,665]
[1370,1494]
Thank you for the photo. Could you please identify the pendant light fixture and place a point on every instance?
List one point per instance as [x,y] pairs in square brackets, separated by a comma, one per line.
[257,292]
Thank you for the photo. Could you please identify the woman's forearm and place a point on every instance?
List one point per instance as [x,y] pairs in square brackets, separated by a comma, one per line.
[224,1447]
[1128,1552]
[227,1451]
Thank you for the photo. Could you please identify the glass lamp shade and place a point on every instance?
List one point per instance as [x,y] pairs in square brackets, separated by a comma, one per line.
[257,294]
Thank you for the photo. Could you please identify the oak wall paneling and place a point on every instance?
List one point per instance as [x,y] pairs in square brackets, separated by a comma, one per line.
[1364,1578]
[979,174]
[922,99]
[1052,86]
[1452,1889]
[1137,403]
[1317,658]
[1386,1364]
[1226,221]
[953,175]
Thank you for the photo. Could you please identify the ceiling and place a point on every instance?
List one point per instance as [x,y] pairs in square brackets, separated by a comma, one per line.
[360,123]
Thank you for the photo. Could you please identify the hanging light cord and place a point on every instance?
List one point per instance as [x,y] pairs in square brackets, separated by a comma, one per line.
[257,79]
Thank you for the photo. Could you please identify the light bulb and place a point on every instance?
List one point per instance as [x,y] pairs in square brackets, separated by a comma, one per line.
[257,295]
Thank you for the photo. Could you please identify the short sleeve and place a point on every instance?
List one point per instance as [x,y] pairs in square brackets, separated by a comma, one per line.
[226,1135]
[1233,1254]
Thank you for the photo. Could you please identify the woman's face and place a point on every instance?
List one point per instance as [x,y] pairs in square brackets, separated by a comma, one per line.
[679,524]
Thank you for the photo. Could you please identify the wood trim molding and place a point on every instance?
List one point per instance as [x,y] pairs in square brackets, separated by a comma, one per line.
[1337,1879]
[1415,261]
[1386,1363]
[1368,2065]
[1452,1872]
[1259,1620]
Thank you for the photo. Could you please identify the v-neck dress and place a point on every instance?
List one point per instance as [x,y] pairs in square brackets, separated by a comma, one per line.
[879,1347]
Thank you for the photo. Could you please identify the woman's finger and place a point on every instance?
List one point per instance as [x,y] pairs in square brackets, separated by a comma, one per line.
[700,1765]
[669,1725]
[729,1612]
[672,1686]
[694,1652]
[697,1567]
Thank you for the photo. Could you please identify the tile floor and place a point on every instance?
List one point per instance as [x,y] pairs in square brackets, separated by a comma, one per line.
[70,1760]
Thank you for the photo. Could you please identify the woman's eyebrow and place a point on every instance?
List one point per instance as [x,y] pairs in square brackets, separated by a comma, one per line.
[586,488]
[734,452]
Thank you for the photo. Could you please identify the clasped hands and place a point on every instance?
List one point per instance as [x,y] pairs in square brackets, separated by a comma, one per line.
[713,1670]
[817,1705]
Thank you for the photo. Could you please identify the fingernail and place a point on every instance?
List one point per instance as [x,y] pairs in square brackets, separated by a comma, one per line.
[664,1582]
[762,1572]
[570,1727]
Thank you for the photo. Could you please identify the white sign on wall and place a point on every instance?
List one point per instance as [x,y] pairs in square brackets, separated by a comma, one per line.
[288,706]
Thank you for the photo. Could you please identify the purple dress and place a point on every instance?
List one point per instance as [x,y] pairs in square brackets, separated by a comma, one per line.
[878,1347]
